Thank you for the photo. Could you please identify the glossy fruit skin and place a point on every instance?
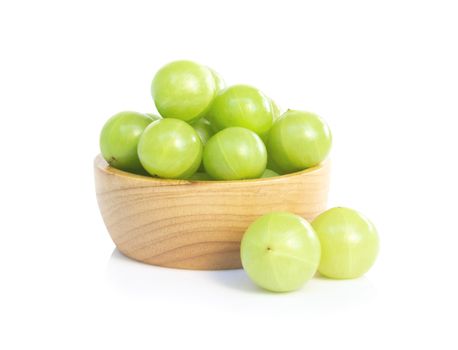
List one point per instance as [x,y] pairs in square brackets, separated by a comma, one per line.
[280,251]
[235,154]
[273,166]
[119,139]
[219,81]
[298,140]
[154,116]
[275,110]
[349,243]
[204,129]
[268,173]
[183,90]
[244,106]
[170,148]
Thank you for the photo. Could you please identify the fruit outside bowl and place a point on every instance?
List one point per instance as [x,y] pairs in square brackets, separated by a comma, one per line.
[198,224]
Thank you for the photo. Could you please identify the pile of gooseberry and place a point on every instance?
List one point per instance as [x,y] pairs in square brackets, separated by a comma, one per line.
[205,131]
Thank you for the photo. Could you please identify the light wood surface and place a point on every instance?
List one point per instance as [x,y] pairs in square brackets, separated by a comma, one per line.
[198,224]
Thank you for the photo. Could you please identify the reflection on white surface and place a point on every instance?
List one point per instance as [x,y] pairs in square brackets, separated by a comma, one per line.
[140,280]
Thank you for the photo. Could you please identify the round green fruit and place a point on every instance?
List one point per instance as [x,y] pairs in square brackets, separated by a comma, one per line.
[170,148]
[244,106]
[235,154]
[183,90]
[119,139]
[280,252]
[349,243]
[298,140]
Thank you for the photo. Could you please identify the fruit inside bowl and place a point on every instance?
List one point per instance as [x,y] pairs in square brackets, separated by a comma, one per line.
[180,187]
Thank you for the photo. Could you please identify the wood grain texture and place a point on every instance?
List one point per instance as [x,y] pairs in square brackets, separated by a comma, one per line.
[198,224]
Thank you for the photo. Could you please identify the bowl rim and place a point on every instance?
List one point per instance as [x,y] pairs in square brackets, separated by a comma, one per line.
[101,164]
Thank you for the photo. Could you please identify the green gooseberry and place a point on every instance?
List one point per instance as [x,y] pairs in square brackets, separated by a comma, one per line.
[183,90]
[170,148]
[280,251]
[243,106]
[349,243]
[298,140]
[119,139]
[235,154]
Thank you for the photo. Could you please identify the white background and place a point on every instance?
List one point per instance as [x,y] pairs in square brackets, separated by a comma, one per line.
[384,74]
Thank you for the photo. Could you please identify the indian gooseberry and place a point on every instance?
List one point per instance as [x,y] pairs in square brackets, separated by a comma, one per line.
[170,148]
[280,251]
[235,154]
[183,90]
[349,243]
[119,139]
[298,140]
[243,106]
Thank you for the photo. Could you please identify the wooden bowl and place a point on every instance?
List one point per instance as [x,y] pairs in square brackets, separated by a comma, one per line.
[198,224]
